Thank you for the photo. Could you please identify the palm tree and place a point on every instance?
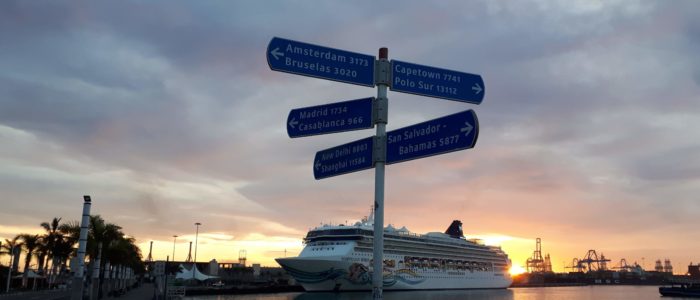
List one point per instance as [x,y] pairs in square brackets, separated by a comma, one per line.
[30,242]
[50,239]
[42,251]
[68,235]
[61,254]
[70,231]
[11,245]
[101,233]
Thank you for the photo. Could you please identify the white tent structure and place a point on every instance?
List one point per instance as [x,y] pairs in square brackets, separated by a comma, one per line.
[192,273]
[31,274]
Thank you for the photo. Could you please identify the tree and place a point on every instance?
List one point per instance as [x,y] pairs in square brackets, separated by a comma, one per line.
[7,247]
[50,238]
[61,254]
[30,243]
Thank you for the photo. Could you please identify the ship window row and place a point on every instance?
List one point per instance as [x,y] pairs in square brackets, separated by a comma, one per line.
[454,264]
[438,248]
[328,243]
[323,249]
[441,249]
[402,236]
[443,244]
[423,252]
[352,234]
[438,252]
[404,252]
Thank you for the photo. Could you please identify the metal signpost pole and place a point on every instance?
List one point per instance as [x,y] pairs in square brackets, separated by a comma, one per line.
[77,288]
[196,236]
[380,160]
[9,268]
[174,240]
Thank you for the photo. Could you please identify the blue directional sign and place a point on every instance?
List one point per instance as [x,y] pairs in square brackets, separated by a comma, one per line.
[450,133]
[343,159]
[329,118]
[322,62]
[435,82]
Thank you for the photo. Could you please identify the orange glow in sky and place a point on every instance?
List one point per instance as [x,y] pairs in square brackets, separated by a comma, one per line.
[516,269]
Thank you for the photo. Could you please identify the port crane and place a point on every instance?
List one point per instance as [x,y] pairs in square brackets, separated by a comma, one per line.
[590,262]
[537,264]
[623,266]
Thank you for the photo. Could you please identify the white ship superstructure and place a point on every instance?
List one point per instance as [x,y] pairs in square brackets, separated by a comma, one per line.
[339,257]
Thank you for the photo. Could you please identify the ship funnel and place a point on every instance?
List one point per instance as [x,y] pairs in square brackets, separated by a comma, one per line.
[455,229]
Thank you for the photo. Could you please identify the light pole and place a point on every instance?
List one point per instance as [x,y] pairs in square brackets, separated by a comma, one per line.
[196,235]
[174,239]
[9,268]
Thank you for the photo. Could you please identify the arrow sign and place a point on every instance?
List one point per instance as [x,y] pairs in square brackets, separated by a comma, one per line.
[442,135]
[329,118]
[435,82]
[322,62]
[343,159]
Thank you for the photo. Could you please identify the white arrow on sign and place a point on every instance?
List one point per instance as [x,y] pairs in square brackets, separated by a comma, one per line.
[477,88]
[276,52]
[467,129]
[293,122]
[318,164]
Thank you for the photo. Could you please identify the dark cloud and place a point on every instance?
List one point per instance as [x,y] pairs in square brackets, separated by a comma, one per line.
[167,113]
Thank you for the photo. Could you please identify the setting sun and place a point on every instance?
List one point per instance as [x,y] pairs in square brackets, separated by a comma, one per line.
[516,270]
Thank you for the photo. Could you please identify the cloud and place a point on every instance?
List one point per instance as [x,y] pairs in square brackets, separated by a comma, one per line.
[587,125]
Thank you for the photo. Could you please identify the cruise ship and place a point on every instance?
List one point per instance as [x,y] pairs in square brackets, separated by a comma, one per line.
[339,258]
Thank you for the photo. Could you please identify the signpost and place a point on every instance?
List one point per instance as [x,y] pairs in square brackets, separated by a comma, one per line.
[322,62]
[330,118]
[442,135]
[435,82]
[438,136]
[343,159]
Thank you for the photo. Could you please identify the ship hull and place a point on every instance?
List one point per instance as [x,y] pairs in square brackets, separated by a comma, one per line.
[336,274]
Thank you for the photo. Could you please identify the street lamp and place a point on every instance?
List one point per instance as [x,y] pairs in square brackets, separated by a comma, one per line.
[174,239]
[9,267]
[195,241]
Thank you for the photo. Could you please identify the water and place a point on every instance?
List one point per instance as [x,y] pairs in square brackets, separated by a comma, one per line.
[549,293]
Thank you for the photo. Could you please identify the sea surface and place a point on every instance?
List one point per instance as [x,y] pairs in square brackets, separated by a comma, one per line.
[548,293]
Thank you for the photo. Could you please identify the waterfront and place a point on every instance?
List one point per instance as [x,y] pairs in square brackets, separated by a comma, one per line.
[558,293]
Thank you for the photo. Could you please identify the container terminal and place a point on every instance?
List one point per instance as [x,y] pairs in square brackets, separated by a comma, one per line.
[596,269]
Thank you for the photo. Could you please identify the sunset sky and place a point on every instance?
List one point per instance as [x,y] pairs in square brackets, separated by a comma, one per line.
[167,114]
